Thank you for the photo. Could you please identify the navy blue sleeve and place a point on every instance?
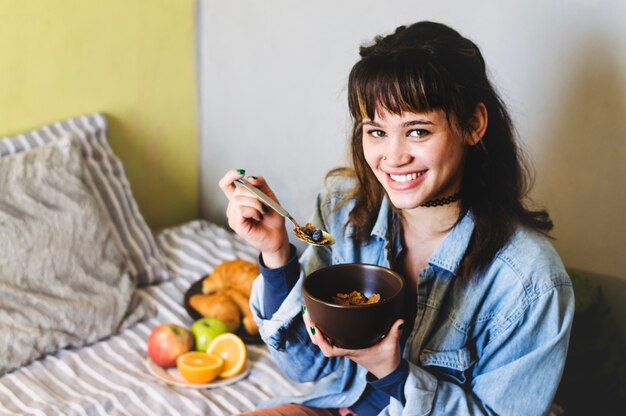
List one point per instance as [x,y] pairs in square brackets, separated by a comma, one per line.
[279,282]
[393,383]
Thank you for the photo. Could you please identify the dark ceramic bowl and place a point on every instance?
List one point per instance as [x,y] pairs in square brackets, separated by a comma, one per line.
[353,326]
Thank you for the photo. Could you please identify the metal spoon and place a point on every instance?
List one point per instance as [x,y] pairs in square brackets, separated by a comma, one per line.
[299,231]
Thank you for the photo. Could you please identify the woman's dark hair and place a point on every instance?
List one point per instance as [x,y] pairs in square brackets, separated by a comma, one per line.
[429,66]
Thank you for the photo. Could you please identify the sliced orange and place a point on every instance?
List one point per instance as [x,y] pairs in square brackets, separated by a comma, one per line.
[199,367]
[232,350]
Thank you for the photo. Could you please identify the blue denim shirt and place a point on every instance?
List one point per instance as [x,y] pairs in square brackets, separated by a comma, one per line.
[495,345]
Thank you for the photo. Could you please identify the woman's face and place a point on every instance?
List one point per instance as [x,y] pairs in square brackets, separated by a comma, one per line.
[415,156]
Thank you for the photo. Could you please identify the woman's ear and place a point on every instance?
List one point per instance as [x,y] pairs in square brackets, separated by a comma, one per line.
[478,124]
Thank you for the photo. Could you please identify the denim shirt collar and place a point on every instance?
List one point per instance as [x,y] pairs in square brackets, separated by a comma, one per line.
[448,254]
[382,221]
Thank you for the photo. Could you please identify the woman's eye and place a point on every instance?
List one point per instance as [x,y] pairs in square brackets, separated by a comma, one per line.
[418,133]
[376,133]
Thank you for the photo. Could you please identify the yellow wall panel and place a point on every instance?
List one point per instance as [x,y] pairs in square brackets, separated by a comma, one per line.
[134,61]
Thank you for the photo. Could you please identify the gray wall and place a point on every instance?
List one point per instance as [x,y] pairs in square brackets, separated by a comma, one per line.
[273,101]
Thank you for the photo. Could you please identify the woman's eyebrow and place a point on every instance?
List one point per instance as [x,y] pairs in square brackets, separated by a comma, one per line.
[370,123]
[405,124]
[417,123]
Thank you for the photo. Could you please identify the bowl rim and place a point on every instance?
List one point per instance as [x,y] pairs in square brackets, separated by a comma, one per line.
[306,293]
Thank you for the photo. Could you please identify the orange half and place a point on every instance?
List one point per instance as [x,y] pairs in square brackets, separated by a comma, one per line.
[230,348]
[199,367]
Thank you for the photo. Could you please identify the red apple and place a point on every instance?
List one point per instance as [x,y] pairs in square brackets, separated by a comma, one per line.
[168,341]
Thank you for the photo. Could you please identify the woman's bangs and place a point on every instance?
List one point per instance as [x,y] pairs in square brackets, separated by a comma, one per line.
[403,90]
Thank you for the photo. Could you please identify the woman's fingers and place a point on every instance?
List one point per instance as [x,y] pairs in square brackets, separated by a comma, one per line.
[316,336]
[241,196]
[319,339]
[240,212]
[310,327]
[242,205]
[259,182]
[228,187]
[227,183]
[383,357]
[395,332]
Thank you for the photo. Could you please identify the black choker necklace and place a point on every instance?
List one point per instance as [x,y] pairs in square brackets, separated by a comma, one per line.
[442,201]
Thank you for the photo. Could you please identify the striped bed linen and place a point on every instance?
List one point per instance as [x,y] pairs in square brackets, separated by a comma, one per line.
[110,377]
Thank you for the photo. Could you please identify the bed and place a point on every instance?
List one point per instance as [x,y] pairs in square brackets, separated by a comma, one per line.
[108,375]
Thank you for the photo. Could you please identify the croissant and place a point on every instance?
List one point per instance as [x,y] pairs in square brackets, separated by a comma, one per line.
[218,306]
[244,306]
[233,274]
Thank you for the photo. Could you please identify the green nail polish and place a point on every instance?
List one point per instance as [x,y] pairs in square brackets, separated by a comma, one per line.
[265,209]
[312,330]
[254,177]
[302,309]
[241,171]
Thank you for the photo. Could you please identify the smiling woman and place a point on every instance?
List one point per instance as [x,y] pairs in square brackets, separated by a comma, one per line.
[435,192]
[439,82]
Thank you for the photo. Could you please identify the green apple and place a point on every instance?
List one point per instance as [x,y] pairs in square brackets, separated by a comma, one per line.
[204,330]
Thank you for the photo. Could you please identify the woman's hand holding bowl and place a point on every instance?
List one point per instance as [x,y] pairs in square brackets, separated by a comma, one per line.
[380,359]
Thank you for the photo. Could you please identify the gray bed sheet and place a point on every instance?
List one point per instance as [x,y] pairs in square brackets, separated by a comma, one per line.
[110,377]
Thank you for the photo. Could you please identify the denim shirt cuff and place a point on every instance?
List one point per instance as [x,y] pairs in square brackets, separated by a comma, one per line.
[393,383]
[271,328]
[420,388]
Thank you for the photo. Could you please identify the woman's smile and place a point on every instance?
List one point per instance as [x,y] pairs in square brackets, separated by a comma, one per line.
[403,181]
[415,156]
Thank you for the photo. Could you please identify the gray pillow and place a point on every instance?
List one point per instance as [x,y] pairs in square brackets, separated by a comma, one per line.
[146,262]
[64,278]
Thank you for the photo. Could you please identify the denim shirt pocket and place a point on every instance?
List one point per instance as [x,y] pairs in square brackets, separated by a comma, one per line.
[452,366]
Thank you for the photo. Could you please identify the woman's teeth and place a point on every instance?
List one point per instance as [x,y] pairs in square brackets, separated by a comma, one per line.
[407,177]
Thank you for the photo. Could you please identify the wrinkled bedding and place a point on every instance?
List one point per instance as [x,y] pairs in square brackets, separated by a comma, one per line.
[110,377]
[64,280]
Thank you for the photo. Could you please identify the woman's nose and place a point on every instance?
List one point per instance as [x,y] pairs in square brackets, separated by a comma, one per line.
[396,153]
